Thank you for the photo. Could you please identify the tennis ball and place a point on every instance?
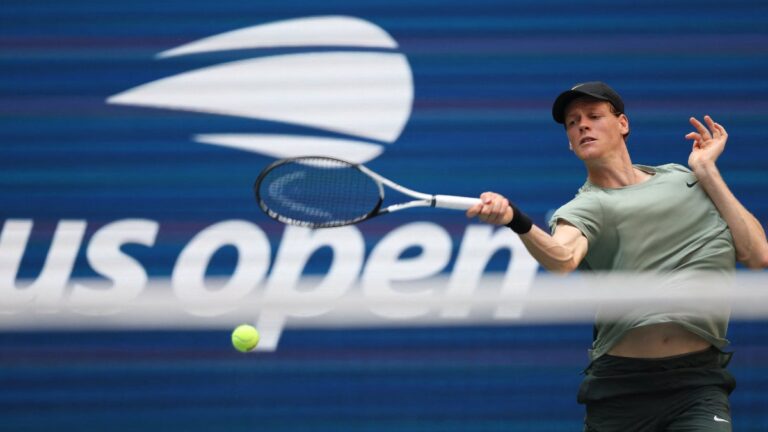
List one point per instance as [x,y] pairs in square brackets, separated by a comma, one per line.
[245,338]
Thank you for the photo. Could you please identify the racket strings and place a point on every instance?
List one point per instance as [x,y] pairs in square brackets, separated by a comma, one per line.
[318,192]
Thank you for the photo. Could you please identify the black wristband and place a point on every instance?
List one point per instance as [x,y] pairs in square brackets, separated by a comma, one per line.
[520,223]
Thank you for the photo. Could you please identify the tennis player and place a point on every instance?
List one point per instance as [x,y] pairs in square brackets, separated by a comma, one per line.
[650,370]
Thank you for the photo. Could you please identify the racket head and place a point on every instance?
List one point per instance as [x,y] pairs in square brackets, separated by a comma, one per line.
[317,192]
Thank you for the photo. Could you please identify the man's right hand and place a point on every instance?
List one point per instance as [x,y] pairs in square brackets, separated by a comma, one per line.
[494,209]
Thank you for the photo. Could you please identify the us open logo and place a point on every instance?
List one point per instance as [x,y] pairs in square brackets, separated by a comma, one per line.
[362,94]
[350,91]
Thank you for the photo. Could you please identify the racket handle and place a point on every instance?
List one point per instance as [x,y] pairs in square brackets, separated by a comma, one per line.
[455,202]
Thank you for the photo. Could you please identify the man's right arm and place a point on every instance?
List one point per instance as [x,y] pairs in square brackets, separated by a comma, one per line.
[560,253]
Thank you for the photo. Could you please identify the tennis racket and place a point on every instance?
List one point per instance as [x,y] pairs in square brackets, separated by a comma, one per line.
[324,192]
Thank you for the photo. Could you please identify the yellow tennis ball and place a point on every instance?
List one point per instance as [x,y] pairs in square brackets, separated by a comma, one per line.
[245,338]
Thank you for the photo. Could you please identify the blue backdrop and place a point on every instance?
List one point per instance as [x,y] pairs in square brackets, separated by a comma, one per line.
[484,75]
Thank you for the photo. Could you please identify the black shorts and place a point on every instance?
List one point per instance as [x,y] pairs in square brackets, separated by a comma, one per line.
[682,393]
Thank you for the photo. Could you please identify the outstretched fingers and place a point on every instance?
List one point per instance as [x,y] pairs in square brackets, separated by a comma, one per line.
[717,128]
[693,136]
[700,128]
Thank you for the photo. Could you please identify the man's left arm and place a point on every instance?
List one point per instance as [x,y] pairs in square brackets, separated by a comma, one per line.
[748,234]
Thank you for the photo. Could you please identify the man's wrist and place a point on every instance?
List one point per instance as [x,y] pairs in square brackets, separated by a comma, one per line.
[520,223]
[704,170]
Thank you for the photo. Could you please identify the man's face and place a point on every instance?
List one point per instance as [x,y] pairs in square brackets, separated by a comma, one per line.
[593,130]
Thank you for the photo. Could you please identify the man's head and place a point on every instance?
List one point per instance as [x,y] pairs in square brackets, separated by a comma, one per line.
[592,114]
[595,89]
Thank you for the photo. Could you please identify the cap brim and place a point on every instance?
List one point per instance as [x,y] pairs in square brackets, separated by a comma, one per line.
[565,98]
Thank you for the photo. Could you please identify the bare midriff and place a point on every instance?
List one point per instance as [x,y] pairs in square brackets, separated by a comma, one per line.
[658,341]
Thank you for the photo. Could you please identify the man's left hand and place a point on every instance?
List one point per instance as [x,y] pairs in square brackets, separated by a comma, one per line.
[708,143]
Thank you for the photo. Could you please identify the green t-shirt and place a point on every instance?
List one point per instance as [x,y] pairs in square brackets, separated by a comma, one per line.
[663,225]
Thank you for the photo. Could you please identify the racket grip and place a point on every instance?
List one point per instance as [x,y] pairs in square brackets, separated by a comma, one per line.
[455,202]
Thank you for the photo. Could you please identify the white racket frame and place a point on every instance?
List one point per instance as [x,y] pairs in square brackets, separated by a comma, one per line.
[452,202]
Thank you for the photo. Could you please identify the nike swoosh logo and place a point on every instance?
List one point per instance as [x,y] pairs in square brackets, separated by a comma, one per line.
[718,419]
[690,185]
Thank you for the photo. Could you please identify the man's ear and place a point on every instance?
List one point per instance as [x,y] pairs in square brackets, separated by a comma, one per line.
[624,120]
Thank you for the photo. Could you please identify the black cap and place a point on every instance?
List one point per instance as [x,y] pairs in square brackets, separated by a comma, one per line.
[595,89]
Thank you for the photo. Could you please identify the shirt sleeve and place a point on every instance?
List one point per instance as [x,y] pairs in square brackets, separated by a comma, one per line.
[585,212]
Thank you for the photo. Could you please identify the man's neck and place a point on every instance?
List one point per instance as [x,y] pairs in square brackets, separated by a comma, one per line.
[616,172]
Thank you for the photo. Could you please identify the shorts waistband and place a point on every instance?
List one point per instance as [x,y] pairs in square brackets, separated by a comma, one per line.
[607,365]
[611,376]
